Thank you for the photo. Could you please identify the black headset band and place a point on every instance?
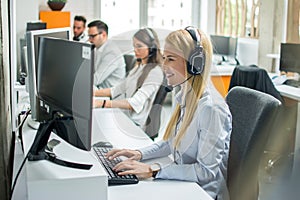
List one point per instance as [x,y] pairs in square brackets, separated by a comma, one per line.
[196,59]
[194,34]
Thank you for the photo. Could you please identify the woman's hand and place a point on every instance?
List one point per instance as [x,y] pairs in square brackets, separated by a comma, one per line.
[130,154]
[97,103]
[129,166]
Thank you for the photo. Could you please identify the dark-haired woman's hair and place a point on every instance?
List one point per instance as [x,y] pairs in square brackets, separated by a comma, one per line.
[150,38]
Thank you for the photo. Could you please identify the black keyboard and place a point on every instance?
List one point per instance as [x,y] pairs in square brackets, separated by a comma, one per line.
[293,83]
[113,177]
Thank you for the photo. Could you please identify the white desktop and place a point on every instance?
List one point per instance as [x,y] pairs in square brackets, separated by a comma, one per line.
[45,180]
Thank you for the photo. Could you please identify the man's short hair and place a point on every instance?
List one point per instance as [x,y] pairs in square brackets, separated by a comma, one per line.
[80,18]
[101,26]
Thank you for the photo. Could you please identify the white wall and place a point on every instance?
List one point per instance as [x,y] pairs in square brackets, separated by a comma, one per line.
[28,10]
[87,8]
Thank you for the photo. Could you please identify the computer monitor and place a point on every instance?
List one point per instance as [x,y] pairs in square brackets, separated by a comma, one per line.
[289,57]
[32,42]
[65,92]
[224,46]
[31,26]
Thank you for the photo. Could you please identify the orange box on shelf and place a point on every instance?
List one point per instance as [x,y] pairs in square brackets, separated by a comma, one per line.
[56,19]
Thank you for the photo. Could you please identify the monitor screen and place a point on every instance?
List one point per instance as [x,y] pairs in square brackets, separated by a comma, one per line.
[289,57]
[224,45]
[65,87]
[32,42]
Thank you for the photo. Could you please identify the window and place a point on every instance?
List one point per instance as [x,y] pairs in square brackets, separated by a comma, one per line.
[120,16]
[293,22]
[169,14]
[238,18]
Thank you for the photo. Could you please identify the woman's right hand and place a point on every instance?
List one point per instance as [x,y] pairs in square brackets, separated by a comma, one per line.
[130,154]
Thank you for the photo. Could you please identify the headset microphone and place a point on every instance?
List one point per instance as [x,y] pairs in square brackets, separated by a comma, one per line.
[140,59]
[170,88]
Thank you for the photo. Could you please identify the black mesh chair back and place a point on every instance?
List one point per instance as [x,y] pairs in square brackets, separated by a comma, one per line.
[129,61]
[253,113]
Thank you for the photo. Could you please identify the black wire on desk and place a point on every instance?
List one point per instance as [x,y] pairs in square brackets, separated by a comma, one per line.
[17,176]
[19,129]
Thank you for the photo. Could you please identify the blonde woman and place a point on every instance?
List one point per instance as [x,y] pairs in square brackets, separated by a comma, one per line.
[198,133]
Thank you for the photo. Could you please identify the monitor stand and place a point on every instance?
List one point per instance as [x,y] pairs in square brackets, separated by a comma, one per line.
[38,150]
[33,124]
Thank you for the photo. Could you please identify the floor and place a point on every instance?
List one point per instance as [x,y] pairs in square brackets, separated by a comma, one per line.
[276,183]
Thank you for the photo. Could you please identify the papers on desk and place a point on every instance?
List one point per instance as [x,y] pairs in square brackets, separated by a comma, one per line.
[278,80]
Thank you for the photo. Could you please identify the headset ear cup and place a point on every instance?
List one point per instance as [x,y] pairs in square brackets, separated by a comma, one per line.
[152,50]
[196,61]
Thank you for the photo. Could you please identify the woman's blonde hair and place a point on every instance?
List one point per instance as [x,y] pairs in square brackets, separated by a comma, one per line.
[182,41]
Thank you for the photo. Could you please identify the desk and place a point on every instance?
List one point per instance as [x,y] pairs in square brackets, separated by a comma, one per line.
[48,181]
[294,94]
[114,126]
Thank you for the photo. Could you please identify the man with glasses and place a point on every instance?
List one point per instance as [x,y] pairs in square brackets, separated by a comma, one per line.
[79,28]
[109,61]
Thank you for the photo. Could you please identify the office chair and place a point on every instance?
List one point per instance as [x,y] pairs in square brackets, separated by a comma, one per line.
[154,117]
[254,77]
[278,146]
[252,116]
[129,61]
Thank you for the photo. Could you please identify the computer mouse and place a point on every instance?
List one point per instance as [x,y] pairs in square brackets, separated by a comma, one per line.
[103,144]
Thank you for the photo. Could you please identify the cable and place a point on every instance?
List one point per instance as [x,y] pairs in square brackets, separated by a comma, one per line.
[19,128]
[17,176]
[24,119]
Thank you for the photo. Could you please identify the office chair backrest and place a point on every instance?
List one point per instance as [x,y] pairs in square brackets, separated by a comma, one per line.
[129,61]
[254,77]
[252,116]
[154,118]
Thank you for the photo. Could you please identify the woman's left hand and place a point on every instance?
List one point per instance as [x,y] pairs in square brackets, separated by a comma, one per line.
[97,103]
[141,170]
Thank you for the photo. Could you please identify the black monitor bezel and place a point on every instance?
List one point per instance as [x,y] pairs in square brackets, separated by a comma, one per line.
[69,124]
[288,49]
[231,49]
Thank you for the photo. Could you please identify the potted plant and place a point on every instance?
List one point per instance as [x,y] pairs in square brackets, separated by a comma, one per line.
[56,5]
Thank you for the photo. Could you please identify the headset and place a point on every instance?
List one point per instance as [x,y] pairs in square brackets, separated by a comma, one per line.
[196,59]
[153,47]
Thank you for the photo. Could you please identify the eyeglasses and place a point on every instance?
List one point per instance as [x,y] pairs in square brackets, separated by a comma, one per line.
[94,35]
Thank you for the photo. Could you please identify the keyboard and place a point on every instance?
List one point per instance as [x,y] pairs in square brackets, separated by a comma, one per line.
[113,177]
[293,83]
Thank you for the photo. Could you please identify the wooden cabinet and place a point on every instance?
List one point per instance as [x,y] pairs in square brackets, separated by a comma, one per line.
[56,19]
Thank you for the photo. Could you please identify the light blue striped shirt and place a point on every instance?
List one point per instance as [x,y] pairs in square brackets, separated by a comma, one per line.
[203,153]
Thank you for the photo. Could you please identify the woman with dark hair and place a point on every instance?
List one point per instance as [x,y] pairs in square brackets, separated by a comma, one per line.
[136,93]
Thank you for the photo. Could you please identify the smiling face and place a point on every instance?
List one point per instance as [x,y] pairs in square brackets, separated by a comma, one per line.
[174,66]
